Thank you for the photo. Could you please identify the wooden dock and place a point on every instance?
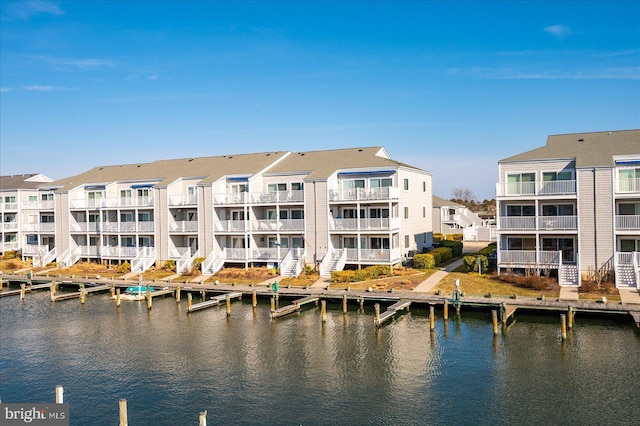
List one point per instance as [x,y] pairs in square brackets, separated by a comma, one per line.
[77,294]
[214,301]
[27,289]
[391,311]
[293,307]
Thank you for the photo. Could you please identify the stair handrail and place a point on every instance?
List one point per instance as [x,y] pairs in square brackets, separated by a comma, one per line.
[286,263]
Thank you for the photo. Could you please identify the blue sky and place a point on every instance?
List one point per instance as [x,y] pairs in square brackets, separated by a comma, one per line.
[448,87]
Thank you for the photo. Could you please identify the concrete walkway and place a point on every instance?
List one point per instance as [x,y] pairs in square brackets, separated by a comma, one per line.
[569,293]
[428,284]
[629,295]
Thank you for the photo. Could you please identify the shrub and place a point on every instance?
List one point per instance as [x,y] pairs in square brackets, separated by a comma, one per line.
[309,269]
[424,261]
[342,276]
[534,282]
[124,268]
[471,263]
[13,264]
[487,250]
[9,254]
[444,252]
[455,246]
[197,262]
[437,237]
[169,265]
[437,257]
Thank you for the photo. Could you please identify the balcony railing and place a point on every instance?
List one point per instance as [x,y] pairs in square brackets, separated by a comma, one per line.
[5,207]
[373,255]
[9,246]
[552,223]
[115,227]
[183,200]
[546,258]
[628,222]
[628,185]
[364,194]
[97,203]
[39,227]
[184,226]
[230,226]
[277,225]
[365,224]
[517,223]
[544,223]
[10,226]
[556,187]
[278,197]
[38,205]
[230,198]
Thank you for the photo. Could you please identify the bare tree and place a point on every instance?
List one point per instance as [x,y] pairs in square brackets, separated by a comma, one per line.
[464,194]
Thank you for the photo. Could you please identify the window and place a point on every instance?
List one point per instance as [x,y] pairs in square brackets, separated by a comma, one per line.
[424,212]
[517,243]
[629,179]
[297,186]
[46,197]
[284,214]
[406,241]
[378,213]
[126,217]
[354,183]
[144,217]
[629,245]
[297,242]
[380,243]
[46,219]
[406,184]
[127,242]
[519,210]
[32,239]
[629,209]
[521,183]
[297,214]
[277,187]
[125,193]
[349,242]
[271,214]
[240,187]
[557,210]
[555,176]
[11,199]
[380,182]
[406,212]
[33,198]
[424,186]
[564,244]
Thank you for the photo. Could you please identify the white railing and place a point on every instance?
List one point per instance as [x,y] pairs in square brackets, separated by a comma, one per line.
[89,251]
[97,203]
[119,252]
[69,257]
[184,226]
[8,207]
[177,252]
[373,255]
[628,222]
[212,264]
[38,205]
[44,257]
[365,224]
[185,263]
[556,187]
[183,200]
[10,226]
[277,197]
[230,226]
[266,254]
[628,185]
[146,227]
[145,258]
[530,257]
[557,222]
[517,222]
[286,264]
[231,198]
[239,254]
[364,194]
[9,246]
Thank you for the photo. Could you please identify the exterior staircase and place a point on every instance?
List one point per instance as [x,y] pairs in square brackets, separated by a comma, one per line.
[144,260]
[68,258]
[334,260]
[212,264]
[293,263]
[185,263]
[627,269]
[44,258]
[568,275]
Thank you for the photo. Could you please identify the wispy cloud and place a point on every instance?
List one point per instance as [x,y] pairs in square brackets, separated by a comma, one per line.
[44,88]
[28,8]
[133,99]
[558,30]
[621,73]
[5,89]
[78,63]
[617,53]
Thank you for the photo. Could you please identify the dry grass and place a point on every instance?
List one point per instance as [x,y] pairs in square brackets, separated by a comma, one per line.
[242,276]
[12,265]
[409,280]
[90,269]
[301,281]
[480,285]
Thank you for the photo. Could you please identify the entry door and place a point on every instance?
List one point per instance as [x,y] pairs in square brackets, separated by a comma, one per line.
[193,244]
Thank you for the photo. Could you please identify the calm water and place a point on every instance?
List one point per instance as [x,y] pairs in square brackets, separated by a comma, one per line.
[248,370]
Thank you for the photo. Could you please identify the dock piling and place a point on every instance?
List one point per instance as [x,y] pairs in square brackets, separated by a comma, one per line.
[377,308]
[494,318]
[82,295]
[202,418]
[446,310]
[563,326]
[273,304]
[432,317]
[22,291]
[344,304]
[118,298]
[178,294]
[254,298]
[59,394]
[570,318]
[113,291]
[123,412]
[228,305]
[189,301]
[323,303]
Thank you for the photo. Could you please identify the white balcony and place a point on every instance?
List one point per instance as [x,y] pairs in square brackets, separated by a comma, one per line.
[8,207]
[39,227]
[118,202]
[10,226]
[517,223]
[364,194]
[365,224]
[628,222]
[528,258]
[114,227]
[557,223]
[9,246]
[230,198]
[230,226]
[519,189]
[38,205]
[278,197]
[628,185]
[184,226]
[373,255]
[277,225]
[183,200]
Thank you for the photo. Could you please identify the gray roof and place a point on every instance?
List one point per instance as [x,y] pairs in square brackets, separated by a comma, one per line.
[164,172]
[16,182]
[322,164]
[442,202]
[594,149]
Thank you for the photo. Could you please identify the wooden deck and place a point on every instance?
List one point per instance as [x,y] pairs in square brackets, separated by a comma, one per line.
[214,301]
[27,289]
[391,311]
[77,294]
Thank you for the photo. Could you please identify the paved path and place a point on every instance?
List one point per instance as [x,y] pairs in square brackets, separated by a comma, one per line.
[428,284]
[569,293]
[629,295]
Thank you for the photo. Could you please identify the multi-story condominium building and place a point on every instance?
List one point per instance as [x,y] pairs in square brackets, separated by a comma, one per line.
[453,218]
[325,208]
[572,208]
[24,212]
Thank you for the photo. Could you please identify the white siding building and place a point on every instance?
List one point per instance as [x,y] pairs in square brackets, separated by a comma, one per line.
[332,208]
[573,207]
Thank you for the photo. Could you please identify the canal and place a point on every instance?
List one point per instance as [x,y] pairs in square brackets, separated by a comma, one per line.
[246,369]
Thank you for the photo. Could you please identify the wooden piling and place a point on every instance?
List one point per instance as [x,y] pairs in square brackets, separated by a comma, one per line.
[53,291]
[149,298]
[1,283]
[118,298]
[254,298]
[494,318]
[432,317]
[458,309]
[273,304]
[361,304]
[23,288]
[123,412]
[203,294]
[570,318]
[377,308]
[82,295]
[202,418]
[563,326]
[323,303]
[59,394]
[344,304]
[446,310]
[178,294]
[113,291]
[228,305]
[189,302]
